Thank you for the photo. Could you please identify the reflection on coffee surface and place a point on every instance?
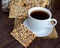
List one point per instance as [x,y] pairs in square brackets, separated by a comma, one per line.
[41,15]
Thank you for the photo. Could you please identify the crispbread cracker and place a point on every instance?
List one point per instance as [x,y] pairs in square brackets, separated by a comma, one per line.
[18,12]
[23,35]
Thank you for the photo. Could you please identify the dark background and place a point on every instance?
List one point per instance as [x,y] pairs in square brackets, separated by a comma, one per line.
[6,26]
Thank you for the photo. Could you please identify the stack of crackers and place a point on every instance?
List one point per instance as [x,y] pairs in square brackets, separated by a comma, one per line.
[19,11]
[19,8]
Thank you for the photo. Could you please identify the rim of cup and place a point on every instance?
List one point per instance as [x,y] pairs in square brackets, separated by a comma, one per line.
[39,9]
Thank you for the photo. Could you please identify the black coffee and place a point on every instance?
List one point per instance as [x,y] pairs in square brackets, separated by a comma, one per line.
[41,15]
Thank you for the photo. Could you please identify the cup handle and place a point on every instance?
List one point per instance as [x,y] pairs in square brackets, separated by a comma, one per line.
[55,22]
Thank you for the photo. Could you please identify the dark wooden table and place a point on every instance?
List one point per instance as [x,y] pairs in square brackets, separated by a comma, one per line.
[6,26]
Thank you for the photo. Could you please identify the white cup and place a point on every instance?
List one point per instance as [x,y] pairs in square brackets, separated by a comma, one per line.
[40,27]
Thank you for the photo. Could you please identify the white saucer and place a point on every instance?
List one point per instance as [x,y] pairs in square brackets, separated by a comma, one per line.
[39,33]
